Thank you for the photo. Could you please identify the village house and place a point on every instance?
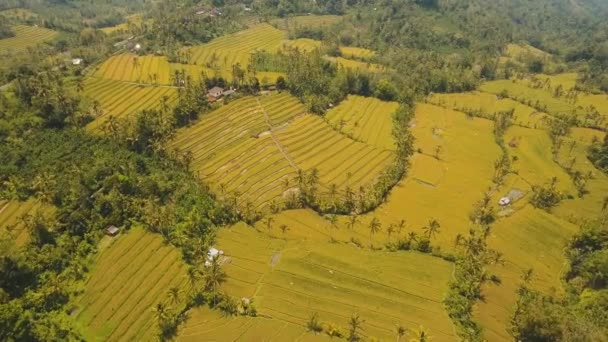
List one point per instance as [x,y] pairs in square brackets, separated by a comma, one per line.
[216,92]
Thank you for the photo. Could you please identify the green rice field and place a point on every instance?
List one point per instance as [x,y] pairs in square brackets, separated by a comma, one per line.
[13,233]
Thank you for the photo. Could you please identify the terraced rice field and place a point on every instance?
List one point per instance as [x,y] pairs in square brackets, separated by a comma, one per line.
[531,238]
[122,100]
[303,44]
[128,279]
[227,153]
[290,280]
[356,65]
[25,36]
[366,119]
[135,19]
[306,21]
[224,52]
[128,67]
[489,104]
[313,144]
[356,53]
[444,188]
[13,233]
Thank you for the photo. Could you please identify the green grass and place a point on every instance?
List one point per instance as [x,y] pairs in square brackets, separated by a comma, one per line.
[127,280]
[25,36]
[291,279]
[366,119]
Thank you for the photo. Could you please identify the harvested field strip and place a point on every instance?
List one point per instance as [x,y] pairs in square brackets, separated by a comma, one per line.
[114,308]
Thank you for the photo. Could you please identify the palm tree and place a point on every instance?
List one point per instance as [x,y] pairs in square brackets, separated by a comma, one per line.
[432,228]
[269,220]
[374,227]
[214,275]
[193,277]
[333,221]
[355,323]
[389,231]
[352,221]
[412,236]
[400,226]
[420,335]
[401,331]
[174,294]
[284,228]
[160,313]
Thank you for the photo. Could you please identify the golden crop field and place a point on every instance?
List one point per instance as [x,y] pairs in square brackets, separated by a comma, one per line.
[25,36]
[367,119]
[233,149]
[313,144]
[128,67]
[121,99]
[356,52]
[289,280]
[224,52]
[13,233]
[306,21]
[530,238]
[490,104]
[135,19]
[127,280]
[303,44]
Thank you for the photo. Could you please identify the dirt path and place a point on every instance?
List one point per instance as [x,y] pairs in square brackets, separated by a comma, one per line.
[279,146]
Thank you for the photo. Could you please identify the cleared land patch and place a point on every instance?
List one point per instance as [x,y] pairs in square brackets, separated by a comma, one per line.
[25,36]
[121,100]
[127,280]
[367,119]
[333,280]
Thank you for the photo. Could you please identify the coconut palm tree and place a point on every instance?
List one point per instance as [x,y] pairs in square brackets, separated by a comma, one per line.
[374,227]
[352,221]
[432,228]
[355,323]
[284,228]
[268,221]
[401,331]
[389,231]
[420,335]
[400,226]
[214,276]
[174,294]
[412,236]
[160,313]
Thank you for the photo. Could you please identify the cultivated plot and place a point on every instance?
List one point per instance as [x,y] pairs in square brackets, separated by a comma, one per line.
[224,52]
[121,100]
[356,65]
[25,36]
[351,52]
[127,280]
[366,119]
[290,280]
[305,21]
[128,67]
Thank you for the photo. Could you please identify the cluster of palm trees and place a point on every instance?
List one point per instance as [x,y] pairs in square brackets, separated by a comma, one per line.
[355,329]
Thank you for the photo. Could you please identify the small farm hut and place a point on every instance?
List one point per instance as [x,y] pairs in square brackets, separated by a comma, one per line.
[504,201]
[216,92]
[112,231]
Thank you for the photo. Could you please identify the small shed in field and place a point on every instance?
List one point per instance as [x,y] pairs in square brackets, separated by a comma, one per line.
[216,92]
[112,231]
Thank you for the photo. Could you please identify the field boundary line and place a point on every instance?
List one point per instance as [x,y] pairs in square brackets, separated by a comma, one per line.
[279,146]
